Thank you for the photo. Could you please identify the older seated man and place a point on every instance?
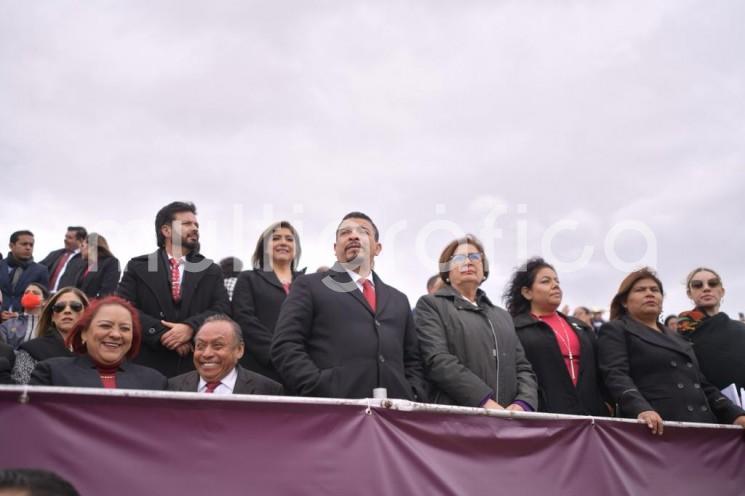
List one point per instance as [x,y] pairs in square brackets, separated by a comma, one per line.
[218,345]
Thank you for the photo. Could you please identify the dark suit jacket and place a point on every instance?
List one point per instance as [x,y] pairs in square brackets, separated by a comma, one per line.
[80,371]
[329,342]
[648,370]
[247,383]
[202,294]
[556,393]
[257,298]
[101,282]
[34,272]
[74,266]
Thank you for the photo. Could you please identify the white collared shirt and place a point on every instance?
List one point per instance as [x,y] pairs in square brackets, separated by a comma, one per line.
[358,280]
[227,384]
[182,261]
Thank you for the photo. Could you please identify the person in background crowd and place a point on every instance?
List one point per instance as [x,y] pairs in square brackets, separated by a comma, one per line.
[17,272]
[99,275]
[58,318]
[719,341]
[32,482]
[561,349]
[231,267]
[175,289]
[583,314]
[470,350]
[218,345]
[345,332]
[597,318]
[106,338]
[259,293]
[650,371]
[63,264]
[7,361]
[21,329]
[322,269]
[671,322]
[434,283]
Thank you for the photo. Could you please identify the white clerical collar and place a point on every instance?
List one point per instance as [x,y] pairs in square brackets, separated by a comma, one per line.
[227,384]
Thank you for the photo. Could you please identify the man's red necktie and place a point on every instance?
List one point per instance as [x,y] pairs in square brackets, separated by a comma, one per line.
[368,291]
[175,285]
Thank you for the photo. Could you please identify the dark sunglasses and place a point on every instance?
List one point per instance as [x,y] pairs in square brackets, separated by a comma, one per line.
[75,306]
[473,257]
[712,283]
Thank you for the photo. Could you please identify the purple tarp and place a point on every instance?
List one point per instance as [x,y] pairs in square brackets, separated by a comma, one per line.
[164,444]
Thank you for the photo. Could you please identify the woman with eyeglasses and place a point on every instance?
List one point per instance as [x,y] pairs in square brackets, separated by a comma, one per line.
[57,320]
[259,293]
[471,353]
[106,337]
[649,370]
[719,341]
[561,349]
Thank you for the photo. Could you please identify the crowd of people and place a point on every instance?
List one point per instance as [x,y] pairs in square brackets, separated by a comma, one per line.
[175,320]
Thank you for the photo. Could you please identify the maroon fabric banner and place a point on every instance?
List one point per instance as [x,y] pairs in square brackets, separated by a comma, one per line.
[115,445]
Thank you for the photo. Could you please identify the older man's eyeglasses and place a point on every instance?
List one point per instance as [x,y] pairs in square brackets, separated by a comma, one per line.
[712,283]
[461,258]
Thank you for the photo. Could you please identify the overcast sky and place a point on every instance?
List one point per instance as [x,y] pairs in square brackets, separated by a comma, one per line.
[538,126]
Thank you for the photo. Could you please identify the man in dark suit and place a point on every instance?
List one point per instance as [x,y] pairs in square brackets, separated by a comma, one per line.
[175,289]
[345,332]
[18,271]
[64,264]
[218,346]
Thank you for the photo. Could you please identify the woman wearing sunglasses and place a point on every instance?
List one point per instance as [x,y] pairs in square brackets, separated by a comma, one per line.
[562,349]
[105,339]
[719,341]
[470,350]
[57,320]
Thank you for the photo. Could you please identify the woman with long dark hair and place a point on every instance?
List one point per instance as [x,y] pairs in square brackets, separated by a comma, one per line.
[561,349]
[259,293]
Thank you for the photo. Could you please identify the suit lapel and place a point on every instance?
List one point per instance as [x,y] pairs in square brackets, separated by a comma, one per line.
[271,278]
[382,293]
[345,284]
[158,282]
[657,338]
[190,282]
[89,376]
[244,382]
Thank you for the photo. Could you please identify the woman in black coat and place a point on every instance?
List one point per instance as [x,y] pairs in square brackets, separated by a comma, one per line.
[718,340]
[650,371]
[106,338]
[100,274]
[561,349]
[259,294]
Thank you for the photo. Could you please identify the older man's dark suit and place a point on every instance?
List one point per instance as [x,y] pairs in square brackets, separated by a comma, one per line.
[247,383]
[80,371]
[202,294]
[329,342]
